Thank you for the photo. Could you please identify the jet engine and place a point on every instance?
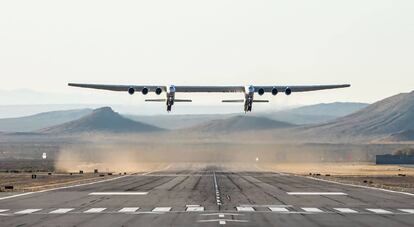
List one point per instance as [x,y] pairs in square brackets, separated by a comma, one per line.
[131,90]
[288,91]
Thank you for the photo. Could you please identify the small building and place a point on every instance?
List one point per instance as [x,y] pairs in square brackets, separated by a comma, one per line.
[394,159]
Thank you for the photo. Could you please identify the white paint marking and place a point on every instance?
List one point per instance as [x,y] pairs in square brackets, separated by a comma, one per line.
[222,222]
[61,211]
[118,193]
[316,193]
[66,187]
[28,211]
[245,209]
[221,215]
[2,211]
[94,210]
[128,210]
[410,211]
[356,186]
[346,210]
[278,209]
[312,209]
[195,209]
[380,211]
[161,209]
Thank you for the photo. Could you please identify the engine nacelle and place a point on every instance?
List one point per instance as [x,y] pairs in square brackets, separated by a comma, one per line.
[274,91]
[261,91]
[288,91]
[131,90]
[158,91]
[145,91]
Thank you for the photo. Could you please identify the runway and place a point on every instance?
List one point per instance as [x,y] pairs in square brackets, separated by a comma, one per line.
[209,195]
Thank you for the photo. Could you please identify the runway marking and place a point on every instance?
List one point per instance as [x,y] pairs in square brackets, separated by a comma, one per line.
[194,209]
[346,210]
[118,193]
[61,211]
[161,209]
[128,210]
[66,187]
[278,209]
[410,211]
[357,186]
[94,210]
[312,209]
[27,211]
[316,193]
[222,221]
[3,210]
[245,209]
[216,188]
[380,211]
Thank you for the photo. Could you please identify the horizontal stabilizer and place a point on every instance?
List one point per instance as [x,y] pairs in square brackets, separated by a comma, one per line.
[236,100]
[260,100]
[155,100]
[183,100]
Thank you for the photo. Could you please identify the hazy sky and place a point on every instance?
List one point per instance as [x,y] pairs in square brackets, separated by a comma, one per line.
[370,44]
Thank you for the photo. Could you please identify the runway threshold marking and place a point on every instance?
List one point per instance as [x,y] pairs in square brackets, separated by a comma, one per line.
[346,210]
[118,193]
[312,209]
[27,211]
[194,208]
[278,209]
[245,209]
[410,211]
[380,211]
[161,209]
[94,210]
[316,193]
[128,210]
[61,211]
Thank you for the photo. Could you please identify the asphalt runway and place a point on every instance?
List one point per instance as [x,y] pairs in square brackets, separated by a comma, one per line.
[209,195]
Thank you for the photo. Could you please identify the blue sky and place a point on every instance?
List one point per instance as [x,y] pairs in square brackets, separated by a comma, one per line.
[46,44]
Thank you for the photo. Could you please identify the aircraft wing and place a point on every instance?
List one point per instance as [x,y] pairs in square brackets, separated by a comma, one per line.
[116,87]
[209,89]
[302,88]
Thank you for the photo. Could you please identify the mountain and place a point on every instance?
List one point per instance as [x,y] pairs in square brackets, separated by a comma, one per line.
[239,124]
[403,136]
[42,120]
[102,120]
[316,114]
[178,121]
[389,116]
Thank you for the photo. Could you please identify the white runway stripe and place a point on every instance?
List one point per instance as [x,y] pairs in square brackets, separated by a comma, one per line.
[62,211]
[195,209]
[278,209]
[118,193]
[316,193]
[312,209]
[245,209]
[410,211]
[346,210]
[28,211]
[3,210]
[162,209]
[94,210]
[128,210]
[380,211]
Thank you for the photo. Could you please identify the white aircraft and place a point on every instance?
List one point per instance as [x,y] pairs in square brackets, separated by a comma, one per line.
[249,91]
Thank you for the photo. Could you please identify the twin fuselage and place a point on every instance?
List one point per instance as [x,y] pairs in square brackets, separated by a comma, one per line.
[171,90]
